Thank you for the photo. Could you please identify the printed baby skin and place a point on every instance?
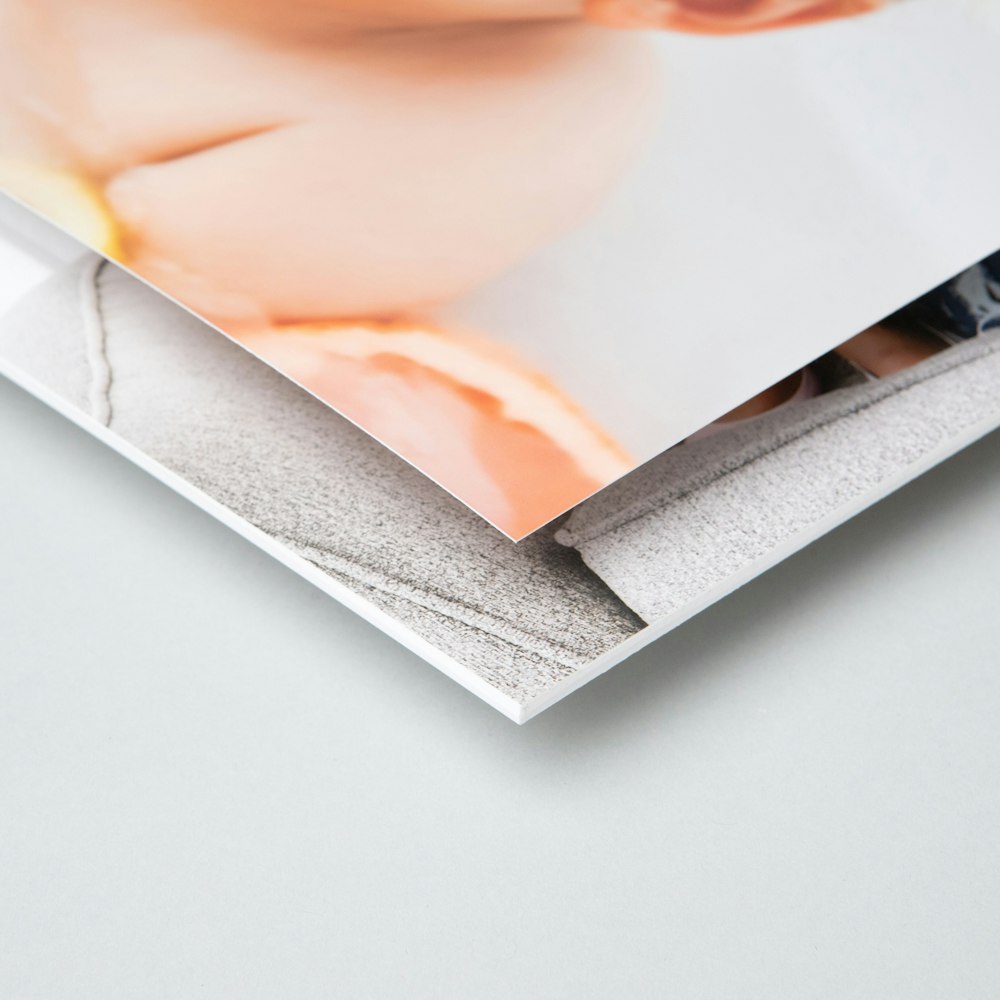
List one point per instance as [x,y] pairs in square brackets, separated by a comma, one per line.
[319,178]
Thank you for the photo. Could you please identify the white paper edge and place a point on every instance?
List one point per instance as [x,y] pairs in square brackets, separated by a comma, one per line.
[376,616]
[463,675]
[778,554]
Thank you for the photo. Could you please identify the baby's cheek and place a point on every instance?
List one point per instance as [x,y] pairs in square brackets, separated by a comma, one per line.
[307,226]
[381,208]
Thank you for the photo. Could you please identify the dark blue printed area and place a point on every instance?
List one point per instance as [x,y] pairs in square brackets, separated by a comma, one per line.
[962,307]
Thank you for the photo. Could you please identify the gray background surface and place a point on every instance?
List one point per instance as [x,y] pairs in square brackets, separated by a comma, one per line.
[215,782]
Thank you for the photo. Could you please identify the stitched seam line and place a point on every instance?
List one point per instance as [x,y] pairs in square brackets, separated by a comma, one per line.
[95,341]
[442,603]
[563,667]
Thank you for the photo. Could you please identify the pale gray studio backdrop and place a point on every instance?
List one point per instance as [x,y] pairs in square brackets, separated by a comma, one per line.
[215,782]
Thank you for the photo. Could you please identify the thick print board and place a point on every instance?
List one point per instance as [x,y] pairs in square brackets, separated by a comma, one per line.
[519,625]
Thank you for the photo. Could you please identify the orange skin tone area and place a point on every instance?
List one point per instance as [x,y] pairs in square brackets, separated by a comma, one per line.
[329,159]
[884,349]
[771,397]
[417,403]
[321,160]
[309,164]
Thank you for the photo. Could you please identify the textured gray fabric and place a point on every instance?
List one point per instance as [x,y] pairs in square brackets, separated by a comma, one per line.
[521,617]
[701,514]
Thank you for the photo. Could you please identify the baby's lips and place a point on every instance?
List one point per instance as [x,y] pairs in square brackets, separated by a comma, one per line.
[722,17]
